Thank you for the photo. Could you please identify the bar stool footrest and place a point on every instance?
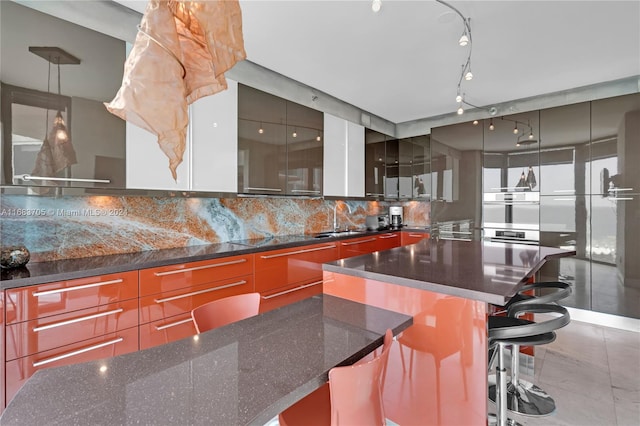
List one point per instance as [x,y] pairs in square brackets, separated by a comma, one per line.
[526,399]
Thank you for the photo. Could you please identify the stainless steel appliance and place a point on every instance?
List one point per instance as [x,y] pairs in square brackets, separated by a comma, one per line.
[396,214]
[512,217]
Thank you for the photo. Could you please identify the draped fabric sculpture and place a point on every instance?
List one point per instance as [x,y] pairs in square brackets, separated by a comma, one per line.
[180,54]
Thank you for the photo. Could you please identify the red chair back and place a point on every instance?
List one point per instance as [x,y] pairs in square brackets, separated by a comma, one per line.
[225,311]
[356,390]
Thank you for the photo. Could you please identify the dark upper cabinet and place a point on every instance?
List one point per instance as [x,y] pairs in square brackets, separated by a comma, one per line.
[397,168]
[375,163]
[456,176]
[304,150]
[511,153]
[565,150]
[615,145]
[421,167]
[94,154]
[279,145]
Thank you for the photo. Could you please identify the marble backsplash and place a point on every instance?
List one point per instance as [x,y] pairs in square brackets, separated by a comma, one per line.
[66,227]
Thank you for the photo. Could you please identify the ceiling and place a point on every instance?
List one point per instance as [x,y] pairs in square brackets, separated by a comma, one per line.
[403,63]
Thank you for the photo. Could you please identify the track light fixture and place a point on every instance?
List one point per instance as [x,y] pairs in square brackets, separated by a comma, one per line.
[491,126]
[376,5]
[465,41]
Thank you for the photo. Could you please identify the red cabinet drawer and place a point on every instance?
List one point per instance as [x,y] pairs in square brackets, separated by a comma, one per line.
[166,330]
[44,300]
[358,246]
[170,303]
[30,337]
[409,237]
[388,241]
[281,297]
[174,277]
[282,268]
[112,344]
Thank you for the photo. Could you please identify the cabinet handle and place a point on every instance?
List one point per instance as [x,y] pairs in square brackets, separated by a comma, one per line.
[373,193]
[291,290]
[250,188]
[29,177]
[359,242]
[418,235]
[197,268]
[78,287]
[305,191]
[271,256]
[388,236]
[195,293]
[75,320]
[78,352]
[173,324]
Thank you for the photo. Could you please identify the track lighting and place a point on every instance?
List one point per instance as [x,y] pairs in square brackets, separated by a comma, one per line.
[294,134]
[531,135]
[460,111]
[475,122]
[515,129]
[260,129]
[458,98]
[464,39]
[376,5]
[491,126]
[468,76]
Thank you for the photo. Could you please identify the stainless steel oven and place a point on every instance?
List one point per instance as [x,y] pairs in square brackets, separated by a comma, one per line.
[511,216]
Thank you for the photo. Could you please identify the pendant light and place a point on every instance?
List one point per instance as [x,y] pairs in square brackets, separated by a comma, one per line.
[59,127]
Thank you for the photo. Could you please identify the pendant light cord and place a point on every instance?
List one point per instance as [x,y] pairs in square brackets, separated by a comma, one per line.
[46,123]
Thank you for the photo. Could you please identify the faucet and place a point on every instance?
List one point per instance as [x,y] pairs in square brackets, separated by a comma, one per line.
[335,215]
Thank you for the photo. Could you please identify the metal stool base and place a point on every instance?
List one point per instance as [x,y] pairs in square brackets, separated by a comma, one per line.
[493,420]
[526,399]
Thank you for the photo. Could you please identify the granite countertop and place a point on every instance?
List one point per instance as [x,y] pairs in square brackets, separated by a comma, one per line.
[243,373]
[480,270]
[44,272]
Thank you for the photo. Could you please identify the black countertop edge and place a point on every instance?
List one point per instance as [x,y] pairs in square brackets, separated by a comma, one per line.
[67,269]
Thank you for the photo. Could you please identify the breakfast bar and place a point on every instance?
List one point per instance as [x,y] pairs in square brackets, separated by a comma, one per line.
[241,374]
[437,371]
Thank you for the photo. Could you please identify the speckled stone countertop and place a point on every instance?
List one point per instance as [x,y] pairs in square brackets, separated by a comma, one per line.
[43,272]
[479,270]
[243,373]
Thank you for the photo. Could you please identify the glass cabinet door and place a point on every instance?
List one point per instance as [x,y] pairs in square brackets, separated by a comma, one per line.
[615,205]
[405,168]
[304,150]
[375,163]
[392,161]
[565,150]
[262,142]
[421,167]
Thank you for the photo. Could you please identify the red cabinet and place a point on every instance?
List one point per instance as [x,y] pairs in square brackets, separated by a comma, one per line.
[283,276]
[388,241]
[66,322]
[169,293]
[105,346]
[358,246]
[39,301]
[409,237]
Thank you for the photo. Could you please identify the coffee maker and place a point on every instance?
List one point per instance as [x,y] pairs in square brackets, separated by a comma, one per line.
[395,213]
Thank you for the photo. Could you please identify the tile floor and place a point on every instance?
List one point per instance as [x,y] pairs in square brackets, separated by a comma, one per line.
[593,373]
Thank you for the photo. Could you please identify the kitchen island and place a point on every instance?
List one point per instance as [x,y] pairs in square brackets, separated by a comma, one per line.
[240,374]
[437,371]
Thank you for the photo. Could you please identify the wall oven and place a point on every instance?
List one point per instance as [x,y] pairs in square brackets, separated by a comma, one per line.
[511,217]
